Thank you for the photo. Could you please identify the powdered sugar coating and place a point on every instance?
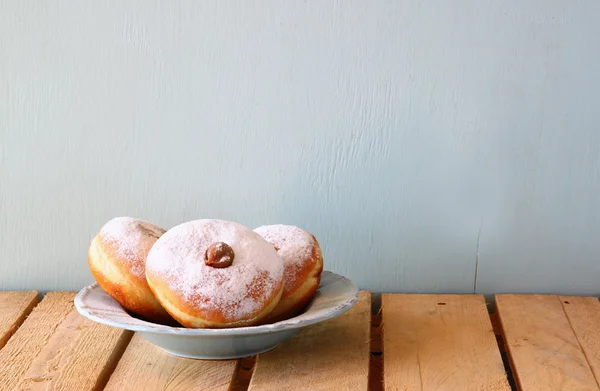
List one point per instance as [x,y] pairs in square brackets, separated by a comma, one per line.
[295,247]
[238,292]
[131,240]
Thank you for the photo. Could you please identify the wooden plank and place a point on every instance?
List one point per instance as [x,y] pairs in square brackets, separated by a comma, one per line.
[333,355]
[146,367]
[542,347]
[440,342]
[80,355]
[584,317]
[29,339]
[14,307]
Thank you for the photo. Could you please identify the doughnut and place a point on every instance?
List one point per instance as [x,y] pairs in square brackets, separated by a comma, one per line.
[117,260]
[212,273]
[303,265]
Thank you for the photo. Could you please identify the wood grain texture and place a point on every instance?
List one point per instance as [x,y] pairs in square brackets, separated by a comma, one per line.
[333,355]
[33,335]
[543,349]
[584,317]
[14,308]
[80,355]
[145,367]
[440,342]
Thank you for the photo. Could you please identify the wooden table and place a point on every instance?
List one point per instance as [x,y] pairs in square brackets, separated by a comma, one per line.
[405,342]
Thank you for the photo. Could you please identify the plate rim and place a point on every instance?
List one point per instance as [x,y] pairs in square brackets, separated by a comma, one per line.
[287,324]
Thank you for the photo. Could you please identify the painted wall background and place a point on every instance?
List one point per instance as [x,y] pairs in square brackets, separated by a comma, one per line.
[430,146]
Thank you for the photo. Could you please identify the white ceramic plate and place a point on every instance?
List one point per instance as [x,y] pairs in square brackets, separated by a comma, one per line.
[336,295]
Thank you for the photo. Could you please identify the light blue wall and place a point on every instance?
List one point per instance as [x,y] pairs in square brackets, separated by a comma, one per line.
[415,139]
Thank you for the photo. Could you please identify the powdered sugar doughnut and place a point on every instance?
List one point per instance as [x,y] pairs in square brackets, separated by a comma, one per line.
[215,274]
[303,265]
[117,260]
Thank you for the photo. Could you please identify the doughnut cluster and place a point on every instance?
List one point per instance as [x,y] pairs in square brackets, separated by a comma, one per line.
[206,273]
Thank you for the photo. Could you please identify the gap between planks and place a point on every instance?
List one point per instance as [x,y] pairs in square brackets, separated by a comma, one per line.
[502,348]
[376,357]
